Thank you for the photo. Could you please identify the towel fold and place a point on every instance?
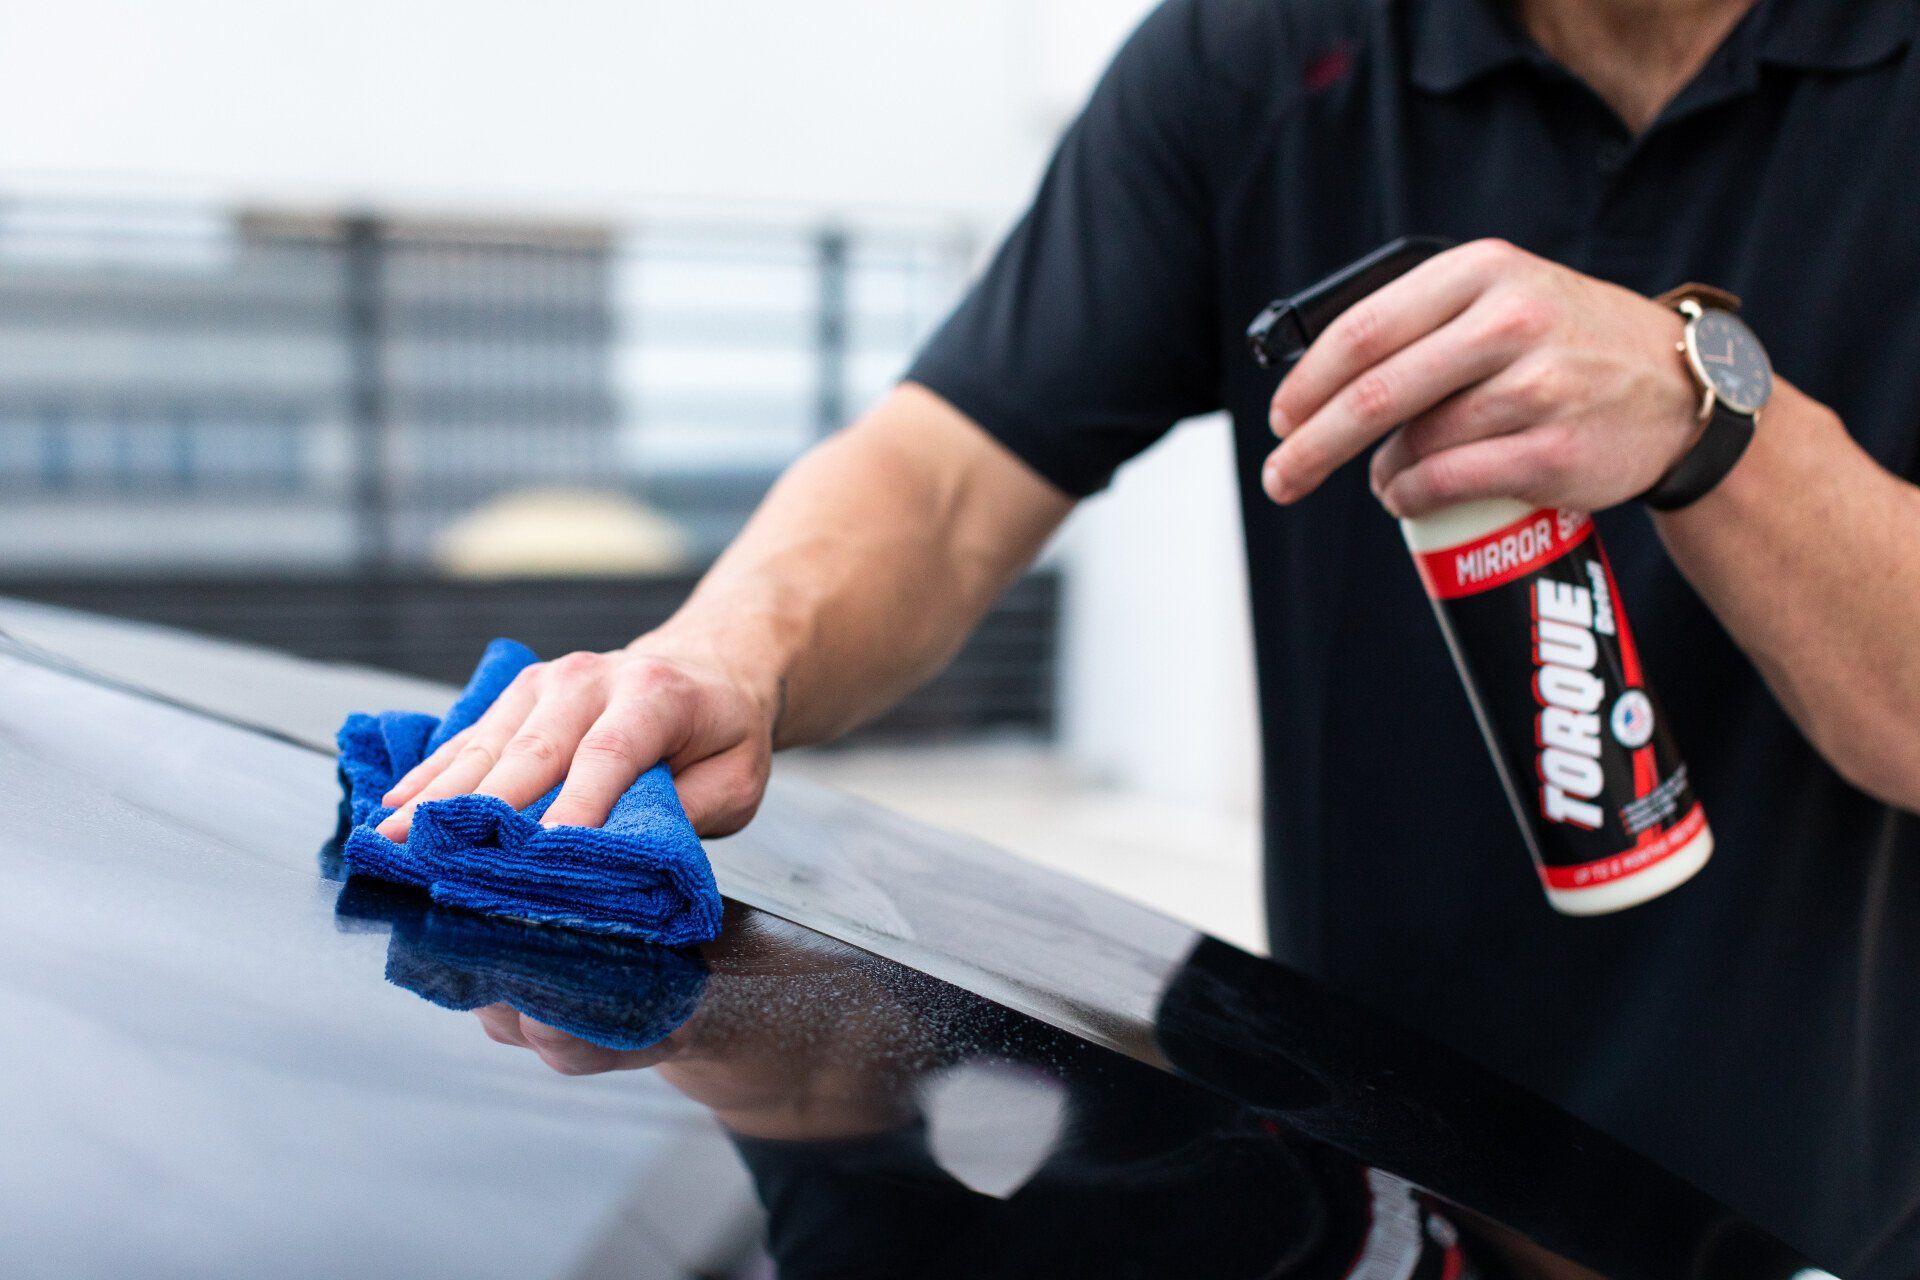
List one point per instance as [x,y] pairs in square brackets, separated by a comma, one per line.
[642,874]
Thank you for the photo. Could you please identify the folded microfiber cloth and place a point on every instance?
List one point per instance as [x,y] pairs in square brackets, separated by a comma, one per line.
[642,874]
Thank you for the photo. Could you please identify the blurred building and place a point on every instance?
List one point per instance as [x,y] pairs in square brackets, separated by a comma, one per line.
[183,386]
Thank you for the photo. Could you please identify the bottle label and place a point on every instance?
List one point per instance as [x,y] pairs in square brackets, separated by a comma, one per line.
[1532,615]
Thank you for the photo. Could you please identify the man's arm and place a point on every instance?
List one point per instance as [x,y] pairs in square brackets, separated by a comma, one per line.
[1515,377]
[859,576]
[1809,553]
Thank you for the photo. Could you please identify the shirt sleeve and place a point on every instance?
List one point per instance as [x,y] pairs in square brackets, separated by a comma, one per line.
[1093,331]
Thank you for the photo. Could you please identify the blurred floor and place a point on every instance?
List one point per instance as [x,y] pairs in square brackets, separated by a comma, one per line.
[1197,865]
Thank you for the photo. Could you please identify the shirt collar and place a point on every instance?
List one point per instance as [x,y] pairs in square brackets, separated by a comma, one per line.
[1454,42]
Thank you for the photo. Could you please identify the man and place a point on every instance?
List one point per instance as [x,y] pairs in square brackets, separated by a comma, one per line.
[1753,1029]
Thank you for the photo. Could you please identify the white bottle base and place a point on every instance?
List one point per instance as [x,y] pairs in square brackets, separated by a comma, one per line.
[1630,891]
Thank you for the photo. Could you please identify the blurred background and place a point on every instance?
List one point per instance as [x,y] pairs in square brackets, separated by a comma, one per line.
[372,331]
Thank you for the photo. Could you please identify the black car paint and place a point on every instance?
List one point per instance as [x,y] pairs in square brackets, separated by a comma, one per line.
[208,1076]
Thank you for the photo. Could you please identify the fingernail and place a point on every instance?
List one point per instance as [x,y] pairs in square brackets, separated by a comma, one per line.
[1272,481]
[1279,422]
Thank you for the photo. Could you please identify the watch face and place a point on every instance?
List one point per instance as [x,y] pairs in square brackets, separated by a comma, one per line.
[1731,360]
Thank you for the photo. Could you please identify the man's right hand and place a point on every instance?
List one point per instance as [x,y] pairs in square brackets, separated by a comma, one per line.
[597,721]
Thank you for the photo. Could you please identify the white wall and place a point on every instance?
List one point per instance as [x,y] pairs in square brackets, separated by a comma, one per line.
[823,102]
[1158,684]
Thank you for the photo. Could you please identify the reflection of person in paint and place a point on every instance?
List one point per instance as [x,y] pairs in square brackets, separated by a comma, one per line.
[1592,153]
[813,1056]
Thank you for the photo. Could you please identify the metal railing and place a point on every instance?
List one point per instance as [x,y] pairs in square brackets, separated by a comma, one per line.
[360,380]
[263,424]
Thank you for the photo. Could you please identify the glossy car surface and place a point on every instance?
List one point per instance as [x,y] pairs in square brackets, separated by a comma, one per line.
[923,1056]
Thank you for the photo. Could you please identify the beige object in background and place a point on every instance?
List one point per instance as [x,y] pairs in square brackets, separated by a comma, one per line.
[560,532]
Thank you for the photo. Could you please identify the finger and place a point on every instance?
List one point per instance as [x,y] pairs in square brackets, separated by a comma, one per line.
[1469,349]
[501,1022]
[1385,322]
[1525,465]
[475,758]
[426,771]
[1478,413]
[535,758]
[723,792]
[567,1054]
[634,734]
[1520,396]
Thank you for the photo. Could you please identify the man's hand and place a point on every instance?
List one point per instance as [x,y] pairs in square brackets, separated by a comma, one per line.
[1491,373]
[600,720]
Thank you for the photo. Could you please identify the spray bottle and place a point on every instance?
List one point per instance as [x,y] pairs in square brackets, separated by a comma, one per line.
[1527,603]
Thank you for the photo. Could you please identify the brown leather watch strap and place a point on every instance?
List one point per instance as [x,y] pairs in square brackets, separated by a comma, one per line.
[1705,294]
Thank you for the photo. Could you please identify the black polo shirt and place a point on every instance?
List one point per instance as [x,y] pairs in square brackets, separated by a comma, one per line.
[1757,1030]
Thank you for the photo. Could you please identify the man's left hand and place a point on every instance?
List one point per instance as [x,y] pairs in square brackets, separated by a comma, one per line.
[1490,373]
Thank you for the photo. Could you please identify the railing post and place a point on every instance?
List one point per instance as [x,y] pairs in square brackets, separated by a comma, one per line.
[368,416]
[831,336]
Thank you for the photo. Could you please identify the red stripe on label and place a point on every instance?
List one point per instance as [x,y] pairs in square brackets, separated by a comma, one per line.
[1506,555]
[1646,776]
[1585,875]
[1629,655]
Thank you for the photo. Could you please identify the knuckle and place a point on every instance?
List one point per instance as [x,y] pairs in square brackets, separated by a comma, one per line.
[1362,331]
[745,787]
[477,753]
[1374,395]
[653,677]
[606,742]
[579,665]
[1519,317]
[533,748]
[1490,251]
[742,797]
[729,800]
[1539,388]
[1494,250]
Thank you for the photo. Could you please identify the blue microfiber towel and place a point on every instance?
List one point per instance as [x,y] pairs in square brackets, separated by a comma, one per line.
[642,874]
[618,993]
[613,992]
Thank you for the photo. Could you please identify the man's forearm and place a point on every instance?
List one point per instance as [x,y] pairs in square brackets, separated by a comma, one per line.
[867,564]
[1809,553]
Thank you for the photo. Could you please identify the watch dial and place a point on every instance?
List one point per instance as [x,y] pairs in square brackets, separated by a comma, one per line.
[1732,361]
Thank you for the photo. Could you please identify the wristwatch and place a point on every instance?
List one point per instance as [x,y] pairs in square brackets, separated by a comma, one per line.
[1735,379]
